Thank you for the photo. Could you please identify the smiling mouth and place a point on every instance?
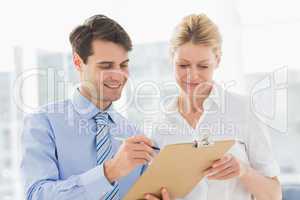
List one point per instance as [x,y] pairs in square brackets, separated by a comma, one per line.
[112,86]
[192,84]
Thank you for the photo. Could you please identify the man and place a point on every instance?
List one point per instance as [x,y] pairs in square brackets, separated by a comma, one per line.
[69,147]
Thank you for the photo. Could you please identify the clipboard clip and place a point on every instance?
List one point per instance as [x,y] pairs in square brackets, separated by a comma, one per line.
[205,141]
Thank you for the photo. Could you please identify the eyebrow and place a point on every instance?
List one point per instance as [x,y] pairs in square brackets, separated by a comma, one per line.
[125,61]
[182,59]
[111,62]
[105,62]
[200,62]
[204,62]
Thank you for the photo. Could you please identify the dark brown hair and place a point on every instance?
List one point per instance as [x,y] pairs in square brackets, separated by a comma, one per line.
[98,27]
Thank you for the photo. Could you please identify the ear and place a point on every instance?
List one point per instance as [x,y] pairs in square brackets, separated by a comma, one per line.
[218,60]
[78,62]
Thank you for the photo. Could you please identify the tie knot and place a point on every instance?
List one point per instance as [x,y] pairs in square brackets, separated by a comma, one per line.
[102,118]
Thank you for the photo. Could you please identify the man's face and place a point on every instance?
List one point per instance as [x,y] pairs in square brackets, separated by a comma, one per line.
[105,72]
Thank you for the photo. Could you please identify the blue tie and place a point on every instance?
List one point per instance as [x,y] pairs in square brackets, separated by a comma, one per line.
[104,149]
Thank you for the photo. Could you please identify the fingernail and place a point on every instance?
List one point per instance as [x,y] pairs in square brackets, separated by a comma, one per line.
[215,165]
[210,174]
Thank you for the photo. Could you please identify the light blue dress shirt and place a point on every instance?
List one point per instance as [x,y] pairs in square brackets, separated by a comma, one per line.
[59,152]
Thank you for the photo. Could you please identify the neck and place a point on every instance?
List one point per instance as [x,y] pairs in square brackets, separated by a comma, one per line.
[190,104]
[101,104]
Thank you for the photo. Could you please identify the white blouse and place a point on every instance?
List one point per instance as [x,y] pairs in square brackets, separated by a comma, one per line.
[226,116]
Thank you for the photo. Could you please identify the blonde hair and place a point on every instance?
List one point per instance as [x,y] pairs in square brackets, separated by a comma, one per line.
[198,29]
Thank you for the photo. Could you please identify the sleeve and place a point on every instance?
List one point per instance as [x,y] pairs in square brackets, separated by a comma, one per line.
[40,171]
[260,151]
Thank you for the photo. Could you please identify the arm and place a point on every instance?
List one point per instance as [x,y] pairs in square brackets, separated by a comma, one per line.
[40,171]
[262,187]
[260,177]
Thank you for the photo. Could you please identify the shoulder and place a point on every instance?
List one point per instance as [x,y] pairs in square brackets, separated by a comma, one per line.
[243,106]
[38,123]
[57,107]
[235,106]
[42,116]
[242,109]
[47,109]
[237,101]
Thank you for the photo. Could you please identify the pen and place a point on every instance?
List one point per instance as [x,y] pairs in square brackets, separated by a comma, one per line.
[122,139]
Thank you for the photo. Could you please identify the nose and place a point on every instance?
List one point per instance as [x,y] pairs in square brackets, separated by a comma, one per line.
[118,75]
[192,74]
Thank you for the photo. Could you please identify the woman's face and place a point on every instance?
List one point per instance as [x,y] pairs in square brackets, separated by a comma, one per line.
[194,67]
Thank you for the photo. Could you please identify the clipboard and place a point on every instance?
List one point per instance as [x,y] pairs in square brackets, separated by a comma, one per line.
[179,168]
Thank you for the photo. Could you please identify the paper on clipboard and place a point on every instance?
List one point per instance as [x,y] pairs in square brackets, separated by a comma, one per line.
[178,167]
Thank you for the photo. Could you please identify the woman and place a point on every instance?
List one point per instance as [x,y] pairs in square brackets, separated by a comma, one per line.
[248,170]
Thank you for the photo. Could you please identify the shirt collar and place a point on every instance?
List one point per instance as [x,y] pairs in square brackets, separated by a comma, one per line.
[87,109]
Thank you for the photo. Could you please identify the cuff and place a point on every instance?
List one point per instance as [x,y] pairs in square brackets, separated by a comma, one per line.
[95,183]
[271,170]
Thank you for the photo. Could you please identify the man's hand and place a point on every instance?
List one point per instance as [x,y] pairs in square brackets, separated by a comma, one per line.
[134,151]
[226,168]
[164,193]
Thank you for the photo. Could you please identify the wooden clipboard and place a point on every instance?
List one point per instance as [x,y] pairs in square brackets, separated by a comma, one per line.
[179,168]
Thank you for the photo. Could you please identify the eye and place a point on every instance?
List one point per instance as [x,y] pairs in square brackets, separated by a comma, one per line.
[203,66]
[124,66]
[183,65]
[105,66]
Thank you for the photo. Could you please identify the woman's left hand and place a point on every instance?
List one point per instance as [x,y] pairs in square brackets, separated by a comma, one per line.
[226,168]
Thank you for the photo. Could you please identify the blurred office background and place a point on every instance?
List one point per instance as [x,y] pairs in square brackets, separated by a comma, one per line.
[261,47]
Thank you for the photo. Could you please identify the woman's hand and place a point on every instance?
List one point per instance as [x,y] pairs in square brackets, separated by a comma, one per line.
[164,193]
[226,168]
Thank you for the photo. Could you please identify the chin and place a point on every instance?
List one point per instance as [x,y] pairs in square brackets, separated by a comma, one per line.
[188,91]
[113,98]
